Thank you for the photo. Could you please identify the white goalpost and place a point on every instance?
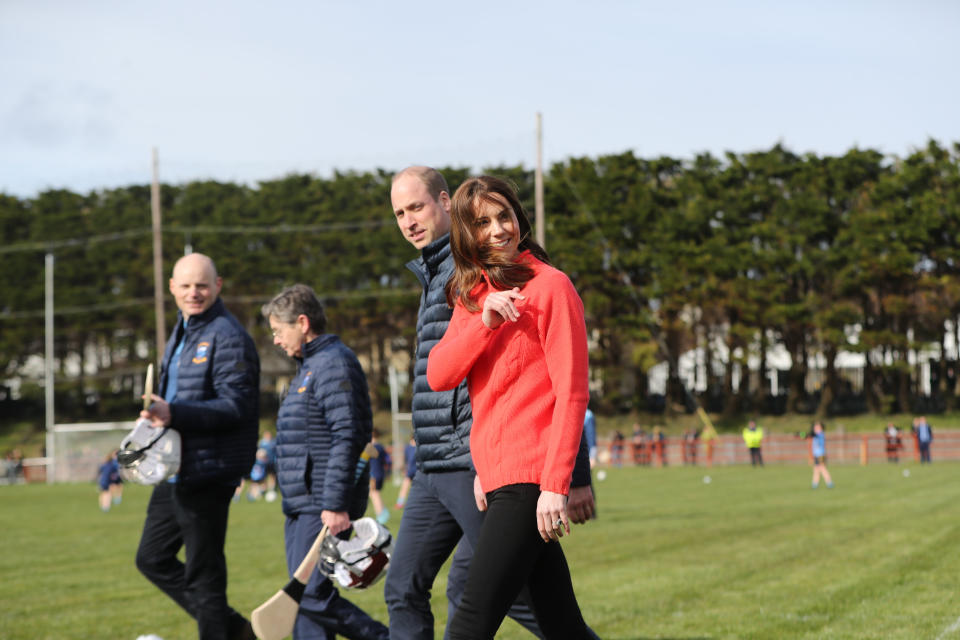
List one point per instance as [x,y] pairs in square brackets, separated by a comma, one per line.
[398,381]
[76,451]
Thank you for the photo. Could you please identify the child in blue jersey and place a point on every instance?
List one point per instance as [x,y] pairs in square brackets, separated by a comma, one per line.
[258,475]
[410,458]
[109,481]
[257,478]
[818,448]
[268,444]
[379,465]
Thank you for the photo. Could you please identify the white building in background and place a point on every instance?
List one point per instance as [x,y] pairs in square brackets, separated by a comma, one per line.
[849,366]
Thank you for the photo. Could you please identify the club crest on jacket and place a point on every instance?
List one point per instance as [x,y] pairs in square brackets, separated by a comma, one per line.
[306,379]
[201,355]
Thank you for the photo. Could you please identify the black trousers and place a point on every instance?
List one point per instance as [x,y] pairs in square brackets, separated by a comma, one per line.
[440,515]
[196,519]
[510,555]
[756,458]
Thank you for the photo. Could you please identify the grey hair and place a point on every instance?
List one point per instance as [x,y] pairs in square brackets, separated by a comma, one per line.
[293,302]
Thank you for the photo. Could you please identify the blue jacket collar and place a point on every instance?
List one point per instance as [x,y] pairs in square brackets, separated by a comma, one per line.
[431,260]
[316,345]
[202,319]
[436,252]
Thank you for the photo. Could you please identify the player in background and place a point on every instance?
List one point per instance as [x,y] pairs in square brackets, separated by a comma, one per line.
[818,449]
[379,467]
[268,444]
[110,482]
[410,470]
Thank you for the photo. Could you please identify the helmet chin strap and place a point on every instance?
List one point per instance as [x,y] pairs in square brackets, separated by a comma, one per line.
[127,457]
[148,454]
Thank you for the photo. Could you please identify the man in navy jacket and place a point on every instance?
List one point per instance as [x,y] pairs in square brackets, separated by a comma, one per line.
[209,392]
[441,512]
[323,425]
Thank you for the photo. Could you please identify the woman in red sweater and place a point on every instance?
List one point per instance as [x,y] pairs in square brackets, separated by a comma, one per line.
[518,335]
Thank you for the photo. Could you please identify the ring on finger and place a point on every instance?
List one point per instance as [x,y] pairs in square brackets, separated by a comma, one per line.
[558,523]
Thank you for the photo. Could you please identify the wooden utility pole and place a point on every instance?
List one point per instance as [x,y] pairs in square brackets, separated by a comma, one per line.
[48,373]
[538,187]
[157,259]
[48,339]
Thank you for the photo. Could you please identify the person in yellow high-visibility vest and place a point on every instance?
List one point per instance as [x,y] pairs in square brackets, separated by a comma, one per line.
[753,437]
[709,438]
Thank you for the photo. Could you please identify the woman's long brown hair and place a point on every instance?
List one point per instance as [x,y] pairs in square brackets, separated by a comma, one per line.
[470,257]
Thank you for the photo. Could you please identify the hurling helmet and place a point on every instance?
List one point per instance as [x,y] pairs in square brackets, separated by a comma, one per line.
[360,561]
[149,455]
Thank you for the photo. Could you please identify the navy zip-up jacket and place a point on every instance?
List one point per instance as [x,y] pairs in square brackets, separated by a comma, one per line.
[441,419]
[323,424]
[217,406]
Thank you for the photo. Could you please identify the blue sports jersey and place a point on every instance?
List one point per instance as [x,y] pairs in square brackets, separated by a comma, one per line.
[259,471]
[108,473]
[819,445]
[378,465]
[271,448]
[410,455]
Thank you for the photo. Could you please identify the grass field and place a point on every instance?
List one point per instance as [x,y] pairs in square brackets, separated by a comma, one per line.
[753,554]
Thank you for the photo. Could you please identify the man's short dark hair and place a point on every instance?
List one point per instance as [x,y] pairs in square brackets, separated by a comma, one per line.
[433,179]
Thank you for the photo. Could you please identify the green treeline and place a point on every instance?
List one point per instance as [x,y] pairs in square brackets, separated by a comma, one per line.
[739,255]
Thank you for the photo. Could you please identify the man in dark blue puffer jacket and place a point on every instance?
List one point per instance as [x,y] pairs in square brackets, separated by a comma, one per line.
[441,512]
[323,425]
[209,392]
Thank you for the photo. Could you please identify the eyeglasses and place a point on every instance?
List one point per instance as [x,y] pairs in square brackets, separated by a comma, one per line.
[276,332]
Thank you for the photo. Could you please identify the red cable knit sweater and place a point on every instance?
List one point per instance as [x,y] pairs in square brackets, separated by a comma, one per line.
[527,380]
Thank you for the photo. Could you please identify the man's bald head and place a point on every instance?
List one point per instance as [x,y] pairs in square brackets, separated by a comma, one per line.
[195,284]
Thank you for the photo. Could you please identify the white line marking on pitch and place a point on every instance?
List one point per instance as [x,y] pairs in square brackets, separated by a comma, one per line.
[954,627]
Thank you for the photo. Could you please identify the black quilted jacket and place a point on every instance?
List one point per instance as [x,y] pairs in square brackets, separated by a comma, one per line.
[217,406]
[441,419]
[323,424]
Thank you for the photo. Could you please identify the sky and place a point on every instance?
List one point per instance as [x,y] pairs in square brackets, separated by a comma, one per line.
[247,91]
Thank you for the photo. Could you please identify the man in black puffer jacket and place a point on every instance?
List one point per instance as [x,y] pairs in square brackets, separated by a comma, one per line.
[323,425]
[209,393]
[441,513]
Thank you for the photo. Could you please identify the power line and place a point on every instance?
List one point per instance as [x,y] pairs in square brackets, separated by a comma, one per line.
[50,245]
[67,311]
[326,227]
[251,299]
[339,295]
[330,227]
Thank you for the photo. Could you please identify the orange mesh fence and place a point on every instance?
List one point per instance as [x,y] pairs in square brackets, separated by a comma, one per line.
[842,448]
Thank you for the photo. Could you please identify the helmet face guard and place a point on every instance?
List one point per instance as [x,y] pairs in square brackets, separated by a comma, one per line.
[148,455]
[360,561]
